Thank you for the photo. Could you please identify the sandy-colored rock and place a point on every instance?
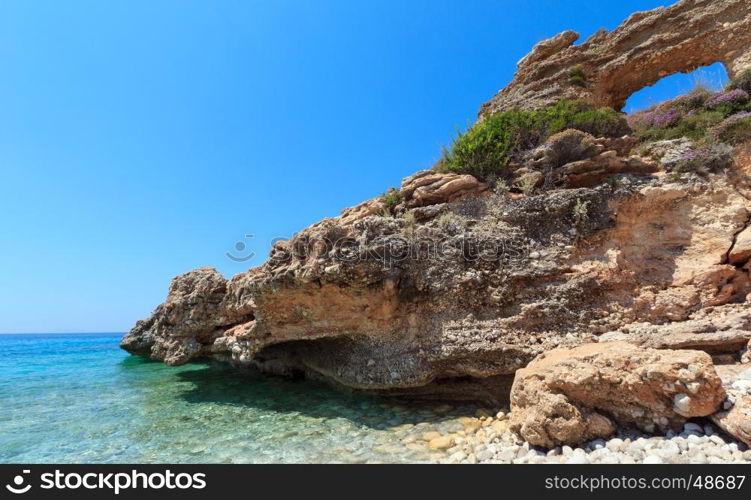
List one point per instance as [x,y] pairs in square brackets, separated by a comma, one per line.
[593,171]
[353,214]
[441,443]
[725,329]
[430,187]
[568,396]
[573,159]
[430,436]
[741,251]
[447,289]
[736,419]
[643,49]
[368,305]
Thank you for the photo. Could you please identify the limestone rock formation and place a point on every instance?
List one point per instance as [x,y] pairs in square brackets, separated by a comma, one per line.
[576,159]
[568,396]
[719,330]
[429,187]
[469,293]
[449,285]
[645,48]
[741,251]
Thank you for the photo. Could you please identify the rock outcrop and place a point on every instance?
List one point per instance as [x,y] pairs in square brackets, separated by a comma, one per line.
[575,159]
[608,67]
[719,330]
[735,415]
[429,187]
[567,396]
[451,284]
[465,293]
[736,421]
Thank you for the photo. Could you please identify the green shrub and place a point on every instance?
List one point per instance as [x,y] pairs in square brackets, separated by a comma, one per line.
[605,122]
[581,209]
[693,125]
[391,199]
[742,81]
[488,146]
[410,224]
[577,77]
[697,125]
[526,185]
[734,130]
[501,186]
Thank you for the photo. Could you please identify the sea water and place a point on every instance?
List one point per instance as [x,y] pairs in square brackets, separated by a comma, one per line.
[78,398]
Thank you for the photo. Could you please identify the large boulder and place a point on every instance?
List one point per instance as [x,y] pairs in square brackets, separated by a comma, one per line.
[741,251]
[736,420]
[568,396]
[735,415]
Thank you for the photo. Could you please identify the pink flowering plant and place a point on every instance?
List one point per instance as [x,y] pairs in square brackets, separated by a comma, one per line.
[710,158]
[732,97]
[700,114]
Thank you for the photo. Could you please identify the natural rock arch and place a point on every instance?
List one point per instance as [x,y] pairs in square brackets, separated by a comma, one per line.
[647,47]
[711,78]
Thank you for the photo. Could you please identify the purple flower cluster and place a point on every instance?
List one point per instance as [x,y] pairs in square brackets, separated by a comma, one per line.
[659,117]
[667,117]
[734,96]
[693,100]
[694,155]
[707,159]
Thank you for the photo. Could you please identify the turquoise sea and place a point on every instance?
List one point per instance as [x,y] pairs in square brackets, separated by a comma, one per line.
[78,398]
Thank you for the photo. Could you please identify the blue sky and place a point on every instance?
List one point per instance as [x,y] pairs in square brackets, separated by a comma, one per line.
[141,139]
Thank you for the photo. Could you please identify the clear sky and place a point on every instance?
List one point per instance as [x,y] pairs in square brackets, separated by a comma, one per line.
[141,139]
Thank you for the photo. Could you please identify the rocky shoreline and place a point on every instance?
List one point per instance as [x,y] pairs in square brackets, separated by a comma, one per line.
[586,270]
[486,439]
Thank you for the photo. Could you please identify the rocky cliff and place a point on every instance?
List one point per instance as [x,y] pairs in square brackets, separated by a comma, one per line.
[609,67]
[450,284]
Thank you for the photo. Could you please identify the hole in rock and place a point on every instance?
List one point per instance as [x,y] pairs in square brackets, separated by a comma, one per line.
[713,77]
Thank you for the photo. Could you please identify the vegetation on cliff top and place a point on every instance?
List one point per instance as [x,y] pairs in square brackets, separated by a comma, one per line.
[709,118]
[488,146]
[723,116]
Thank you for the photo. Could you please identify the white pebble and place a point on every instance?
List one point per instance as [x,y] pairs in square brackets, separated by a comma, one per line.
[615,444]
[682,404]
[578,458]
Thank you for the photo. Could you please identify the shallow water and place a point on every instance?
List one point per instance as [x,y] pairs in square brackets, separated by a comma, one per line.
[79,398]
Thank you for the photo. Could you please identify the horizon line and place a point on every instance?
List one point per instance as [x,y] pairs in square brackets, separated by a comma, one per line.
[62,333]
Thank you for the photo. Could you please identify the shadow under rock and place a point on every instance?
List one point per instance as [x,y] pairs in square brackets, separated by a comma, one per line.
[220,384]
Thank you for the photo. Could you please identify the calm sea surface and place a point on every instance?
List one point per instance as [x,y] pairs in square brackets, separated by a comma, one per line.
[80,398]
